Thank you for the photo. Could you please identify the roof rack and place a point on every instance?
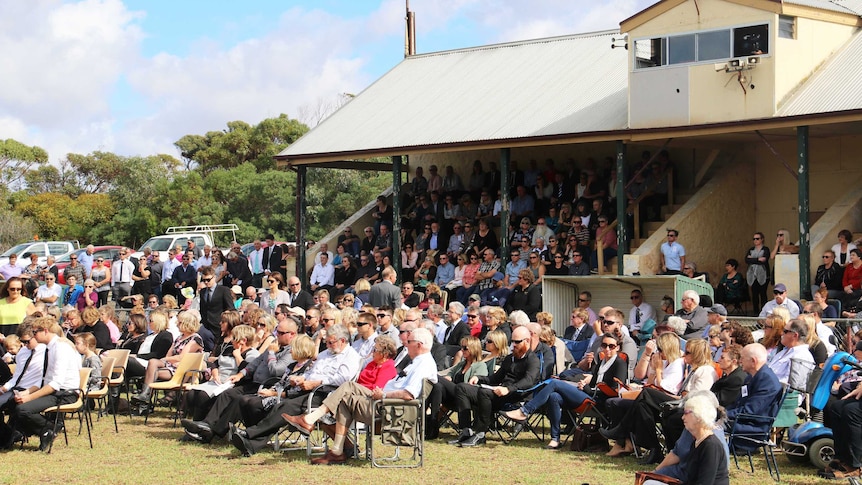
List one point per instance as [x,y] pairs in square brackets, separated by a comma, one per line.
[203,228]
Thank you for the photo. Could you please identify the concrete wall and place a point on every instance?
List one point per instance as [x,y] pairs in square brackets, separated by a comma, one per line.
[714,225]
[835,169]
[845,213]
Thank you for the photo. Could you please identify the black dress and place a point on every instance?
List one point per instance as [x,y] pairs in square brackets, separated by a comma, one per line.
[707,464]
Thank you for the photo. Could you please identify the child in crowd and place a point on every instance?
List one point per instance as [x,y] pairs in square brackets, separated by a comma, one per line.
[85,344]
[13,345]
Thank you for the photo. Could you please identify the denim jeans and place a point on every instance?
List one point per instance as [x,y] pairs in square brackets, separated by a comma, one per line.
[556,394]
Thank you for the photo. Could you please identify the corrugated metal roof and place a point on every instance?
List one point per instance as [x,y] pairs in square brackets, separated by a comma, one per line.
[834,87]
[843,6]
[560,85]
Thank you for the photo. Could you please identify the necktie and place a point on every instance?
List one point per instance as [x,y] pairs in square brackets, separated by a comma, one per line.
[26,365]
[45,368]
[638,315]
[208,295]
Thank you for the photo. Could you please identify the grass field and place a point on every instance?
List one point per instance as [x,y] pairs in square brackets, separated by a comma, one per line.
[144,454]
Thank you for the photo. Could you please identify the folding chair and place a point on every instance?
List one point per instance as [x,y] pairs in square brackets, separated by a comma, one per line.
[186,374]
[76,407]
[101,395]
[508,429]
[588,417]
[751,432]
[398,423]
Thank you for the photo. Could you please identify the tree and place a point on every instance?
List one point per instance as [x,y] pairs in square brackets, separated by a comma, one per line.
[239,144]
[14,229]
[16,159]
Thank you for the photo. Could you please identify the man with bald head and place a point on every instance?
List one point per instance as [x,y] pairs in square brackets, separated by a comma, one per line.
[760,392]
[519,370]
[297,296]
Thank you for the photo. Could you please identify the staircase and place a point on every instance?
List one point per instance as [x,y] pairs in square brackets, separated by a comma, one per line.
[649,228]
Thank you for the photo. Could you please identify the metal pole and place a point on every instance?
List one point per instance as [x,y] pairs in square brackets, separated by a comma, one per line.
[622,226]
[301,179]
[505,157]
[804,205]
[396,216]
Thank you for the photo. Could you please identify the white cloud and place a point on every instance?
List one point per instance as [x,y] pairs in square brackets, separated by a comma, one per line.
[71,59]
[64,60]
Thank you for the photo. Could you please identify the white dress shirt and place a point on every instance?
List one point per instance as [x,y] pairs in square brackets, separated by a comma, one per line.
[64,364]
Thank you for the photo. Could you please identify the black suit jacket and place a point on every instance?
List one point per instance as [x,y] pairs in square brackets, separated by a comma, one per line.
[272,258]
[453,342]
[303,300]
[211,310]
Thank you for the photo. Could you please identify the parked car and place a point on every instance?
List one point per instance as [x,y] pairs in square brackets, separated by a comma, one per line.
[42,248]
[108,253]
[179,235]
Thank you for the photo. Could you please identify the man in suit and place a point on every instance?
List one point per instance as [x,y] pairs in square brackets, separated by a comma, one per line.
[272,255]
[385,293]
[761,391]
[457,329]
[297,296]
[215,299]
[580,328]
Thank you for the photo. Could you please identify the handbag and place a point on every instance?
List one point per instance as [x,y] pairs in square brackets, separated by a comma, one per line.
[641,477]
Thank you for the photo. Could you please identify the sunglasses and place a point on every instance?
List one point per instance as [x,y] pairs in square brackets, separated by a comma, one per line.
[25,341]
[777,292]
[14,289]
[206,280]
[271,281]
[362,324]
[609,346]
[382,315]
[786,331]
[279,332]
[516,342]
[489,341]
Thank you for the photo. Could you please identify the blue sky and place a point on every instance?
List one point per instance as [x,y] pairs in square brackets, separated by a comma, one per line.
[133,76]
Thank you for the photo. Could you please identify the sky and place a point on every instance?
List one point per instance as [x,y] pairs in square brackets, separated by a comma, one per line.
[133,76]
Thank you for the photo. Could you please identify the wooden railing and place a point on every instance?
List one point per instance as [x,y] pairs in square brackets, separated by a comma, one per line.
[600,254]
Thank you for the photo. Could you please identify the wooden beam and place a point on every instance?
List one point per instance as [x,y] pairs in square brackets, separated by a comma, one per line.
[347,165]
[707,164]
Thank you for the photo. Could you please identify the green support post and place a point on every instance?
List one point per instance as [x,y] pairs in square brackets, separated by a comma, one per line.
[622,226]
[505,158]
[396,217]
[301,179]
[804,206]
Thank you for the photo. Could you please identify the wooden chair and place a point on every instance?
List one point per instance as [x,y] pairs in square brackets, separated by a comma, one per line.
[185,376]
[101,395]
[76,407]
[118,377]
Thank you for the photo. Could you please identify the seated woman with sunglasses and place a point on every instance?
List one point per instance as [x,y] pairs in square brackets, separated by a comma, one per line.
[571,394]
[470,365]
[642,418]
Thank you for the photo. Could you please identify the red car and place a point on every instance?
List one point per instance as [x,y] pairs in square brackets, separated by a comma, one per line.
[108,253]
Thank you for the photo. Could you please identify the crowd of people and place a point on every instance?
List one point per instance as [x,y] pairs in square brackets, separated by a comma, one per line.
[265,362]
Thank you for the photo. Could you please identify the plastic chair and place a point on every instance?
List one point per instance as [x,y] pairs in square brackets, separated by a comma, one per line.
[185,375]
[101,395]
[76,407]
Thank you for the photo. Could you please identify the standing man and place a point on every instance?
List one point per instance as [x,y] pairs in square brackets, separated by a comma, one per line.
[167,273]
[256,260]
[672,254]
[205,259]
[60,379]
[641,312]
[272,255]
[184,276]
[214,300]
[156,268]
[191,246]
[121,276]
[85,259]
[386,293]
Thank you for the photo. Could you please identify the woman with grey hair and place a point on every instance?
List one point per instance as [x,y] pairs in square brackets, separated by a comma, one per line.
[707,462]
